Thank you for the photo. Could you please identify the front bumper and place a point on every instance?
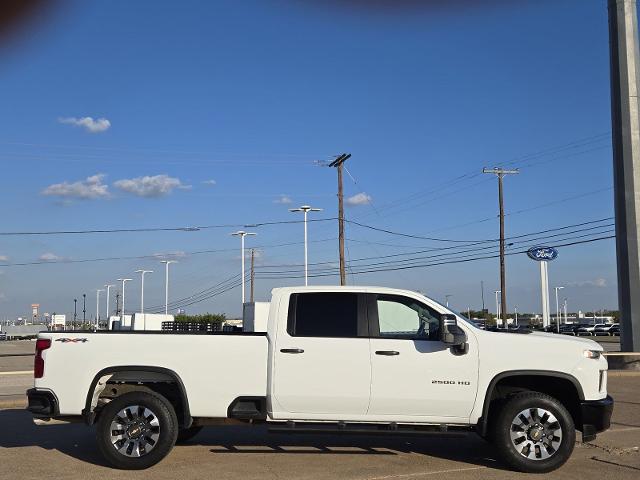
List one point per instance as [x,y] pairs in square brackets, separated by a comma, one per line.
[596,417]
[42,403]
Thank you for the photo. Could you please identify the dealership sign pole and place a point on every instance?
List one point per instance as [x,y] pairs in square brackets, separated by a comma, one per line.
[543,255]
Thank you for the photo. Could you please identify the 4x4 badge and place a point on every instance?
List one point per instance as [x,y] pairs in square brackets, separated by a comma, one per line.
[72,340]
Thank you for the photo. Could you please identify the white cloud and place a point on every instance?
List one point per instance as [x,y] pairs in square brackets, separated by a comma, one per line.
[4,258]
[209,182]
[170,255]
[150,186]
[283,200]
[88,123]
[596,283]
[90,188]
[359,199]
[50,257]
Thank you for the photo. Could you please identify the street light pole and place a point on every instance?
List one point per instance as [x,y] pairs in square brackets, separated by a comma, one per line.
[497,292]
[447,299]
[242,234]
[84,308]
[75,312]
[123,280]
[558,309]
[98,307]
[108,287]
[166,283]
[305,209]
[142,272]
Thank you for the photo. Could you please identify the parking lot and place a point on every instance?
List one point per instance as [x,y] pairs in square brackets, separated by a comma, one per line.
[27,451]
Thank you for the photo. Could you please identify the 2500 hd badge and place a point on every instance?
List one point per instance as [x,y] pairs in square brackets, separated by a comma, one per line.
[450,382]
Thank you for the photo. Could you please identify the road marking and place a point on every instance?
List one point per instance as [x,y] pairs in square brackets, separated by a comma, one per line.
[437,472]
[22,372]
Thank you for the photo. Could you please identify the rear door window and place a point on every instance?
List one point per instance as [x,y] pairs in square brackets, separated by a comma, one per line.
[330,314]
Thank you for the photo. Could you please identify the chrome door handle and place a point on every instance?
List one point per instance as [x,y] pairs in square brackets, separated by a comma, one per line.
[292,350]
[389,353]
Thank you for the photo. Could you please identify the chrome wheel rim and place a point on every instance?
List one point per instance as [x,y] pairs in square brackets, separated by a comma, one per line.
[536,434]
[135,431]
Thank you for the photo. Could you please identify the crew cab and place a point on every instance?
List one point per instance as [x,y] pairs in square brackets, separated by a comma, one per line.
[332,360]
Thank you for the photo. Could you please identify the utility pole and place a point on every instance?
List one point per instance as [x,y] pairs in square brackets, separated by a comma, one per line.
[500,173]
[625,119]
[337,163]
[84,308]
[482,293]
[497,292]
[252,275]
[75,311]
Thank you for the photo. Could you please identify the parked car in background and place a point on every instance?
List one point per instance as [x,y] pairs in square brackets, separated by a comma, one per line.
[614,331]
[568,329]
[604,329]
[3,336]
[589,329]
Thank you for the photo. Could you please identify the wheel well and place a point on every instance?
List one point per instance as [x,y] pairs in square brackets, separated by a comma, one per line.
[108,385]
[559,387]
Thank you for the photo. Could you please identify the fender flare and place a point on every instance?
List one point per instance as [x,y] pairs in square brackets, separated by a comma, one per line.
[482,422]
[89,414]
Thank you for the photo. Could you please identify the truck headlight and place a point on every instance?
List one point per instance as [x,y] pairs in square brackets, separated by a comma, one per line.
[595,354]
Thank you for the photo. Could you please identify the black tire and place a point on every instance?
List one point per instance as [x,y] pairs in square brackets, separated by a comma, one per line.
[139,430]
[536,437]
[186,434]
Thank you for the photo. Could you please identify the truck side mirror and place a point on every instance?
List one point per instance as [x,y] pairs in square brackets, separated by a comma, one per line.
[451,334]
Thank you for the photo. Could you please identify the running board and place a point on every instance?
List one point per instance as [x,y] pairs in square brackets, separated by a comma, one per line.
[369,429]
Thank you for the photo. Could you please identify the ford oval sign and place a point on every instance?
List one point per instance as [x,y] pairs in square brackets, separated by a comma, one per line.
[542,254]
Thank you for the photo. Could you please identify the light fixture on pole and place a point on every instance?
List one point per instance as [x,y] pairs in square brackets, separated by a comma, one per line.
[305,209]
[558,310]
[123,280]
[98,290]
[108,287]
[242,234]
[142,272]
[166,283]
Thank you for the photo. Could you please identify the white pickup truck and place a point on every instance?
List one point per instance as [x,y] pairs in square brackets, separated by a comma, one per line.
[332,360]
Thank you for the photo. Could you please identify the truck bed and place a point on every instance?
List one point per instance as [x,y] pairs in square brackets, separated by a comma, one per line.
[214,367]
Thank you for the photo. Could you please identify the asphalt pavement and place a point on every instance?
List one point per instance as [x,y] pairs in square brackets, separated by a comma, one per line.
[69,451]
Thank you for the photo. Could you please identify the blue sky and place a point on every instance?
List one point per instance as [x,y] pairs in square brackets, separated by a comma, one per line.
[251,94]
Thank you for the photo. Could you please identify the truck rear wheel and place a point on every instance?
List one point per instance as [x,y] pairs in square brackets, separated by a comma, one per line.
[534,433]
[136,430]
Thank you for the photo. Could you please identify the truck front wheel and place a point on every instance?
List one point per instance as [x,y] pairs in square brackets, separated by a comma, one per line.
[534,433]
[136,430]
